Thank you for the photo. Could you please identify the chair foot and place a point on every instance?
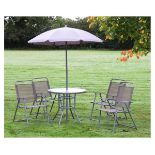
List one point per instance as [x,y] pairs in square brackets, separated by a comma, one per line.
[99,119]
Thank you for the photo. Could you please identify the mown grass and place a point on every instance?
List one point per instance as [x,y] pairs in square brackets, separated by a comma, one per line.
[89,69]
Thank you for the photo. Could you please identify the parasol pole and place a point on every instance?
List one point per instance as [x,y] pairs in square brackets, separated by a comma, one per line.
[66,84]
[66,68]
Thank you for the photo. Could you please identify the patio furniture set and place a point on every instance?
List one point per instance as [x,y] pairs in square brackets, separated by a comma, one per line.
[37,94]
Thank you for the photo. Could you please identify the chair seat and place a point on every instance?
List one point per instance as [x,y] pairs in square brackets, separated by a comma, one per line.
[107,110]
[110,110]
[33,106]
[101,103]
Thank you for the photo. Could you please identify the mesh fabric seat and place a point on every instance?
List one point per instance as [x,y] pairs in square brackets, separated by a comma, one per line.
[122,105]
[26,98]
[109,96]
[41,86]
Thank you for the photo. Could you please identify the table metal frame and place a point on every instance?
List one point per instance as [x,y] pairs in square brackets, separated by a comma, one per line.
[64,102]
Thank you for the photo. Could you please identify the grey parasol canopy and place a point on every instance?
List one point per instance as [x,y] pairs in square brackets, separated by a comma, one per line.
[64,36]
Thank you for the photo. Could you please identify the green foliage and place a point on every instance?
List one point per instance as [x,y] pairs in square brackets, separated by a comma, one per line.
[136,29]
[89,69]
[119,32]
[21,29]
[18,30]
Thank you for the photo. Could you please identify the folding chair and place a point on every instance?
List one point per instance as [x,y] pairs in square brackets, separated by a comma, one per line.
[41,86]
[26,98]
[110,95]
[122,105]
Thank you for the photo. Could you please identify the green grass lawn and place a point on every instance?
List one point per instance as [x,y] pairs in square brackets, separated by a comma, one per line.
[89,69]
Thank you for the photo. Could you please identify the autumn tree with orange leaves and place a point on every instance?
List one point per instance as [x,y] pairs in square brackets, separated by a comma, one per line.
[136,29]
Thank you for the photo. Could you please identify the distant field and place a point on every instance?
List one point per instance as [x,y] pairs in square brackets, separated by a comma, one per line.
[89,69]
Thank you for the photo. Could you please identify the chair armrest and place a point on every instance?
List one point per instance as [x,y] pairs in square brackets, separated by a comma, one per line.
[97,96]
[39,95]
[110,99]
[118,79]
[22,99]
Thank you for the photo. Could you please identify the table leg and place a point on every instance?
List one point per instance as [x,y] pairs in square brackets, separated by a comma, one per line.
[70,105]
[75,108]
[61,103]
[59,106]
[66,107]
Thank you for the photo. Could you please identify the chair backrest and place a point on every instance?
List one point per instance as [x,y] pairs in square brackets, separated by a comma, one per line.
[41,86]
[124,96]
[113,87]
[24,91]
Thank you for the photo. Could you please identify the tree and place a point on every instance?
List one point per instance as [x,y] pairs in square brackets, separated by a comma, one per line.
[18,30]
[137,29]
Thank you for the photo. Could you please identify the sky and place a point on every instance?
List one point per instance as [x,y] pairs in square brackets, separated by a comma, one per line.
[73,17]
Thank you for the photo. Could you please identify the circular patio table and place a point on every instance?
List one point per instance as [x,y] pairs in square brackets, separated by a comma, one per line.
[64,100]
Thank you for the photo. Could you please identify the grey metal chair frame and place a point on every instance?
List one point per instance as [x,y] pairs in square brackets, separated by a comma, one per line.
[122,105]
[109,95]
[26,98]
[41,86]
